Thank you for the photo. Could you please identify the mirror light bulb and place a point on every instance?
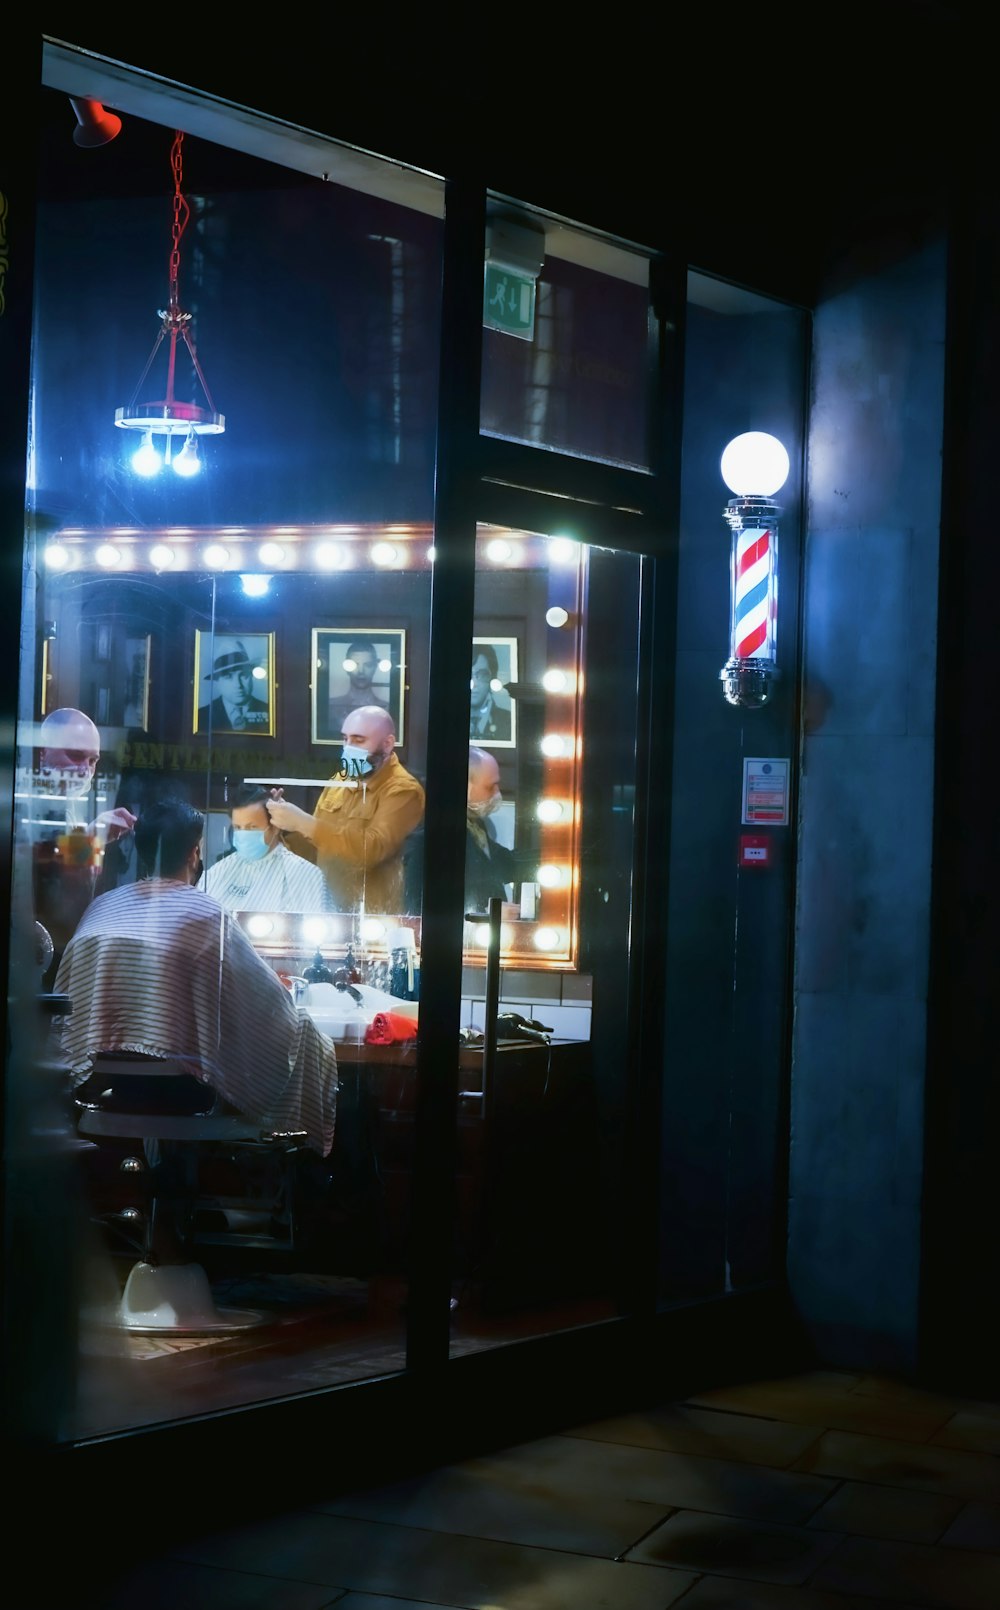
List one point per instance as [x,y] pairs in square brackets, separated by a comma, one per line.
[372,929]
[161,557]
[549,810]
[499,551]
[551,876]
[259,926]
[563,549]
[271,554]
[557,681]
[755,465]
[327,555]
[314,929]
[108,556]
[216,557]
[383,553]
[56,556]
[557,745]
[256,586]
[548,938]
[556,616]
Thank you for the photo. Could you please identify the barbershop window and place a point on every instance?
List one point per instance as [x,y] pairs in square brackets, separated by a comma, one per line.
[226,609]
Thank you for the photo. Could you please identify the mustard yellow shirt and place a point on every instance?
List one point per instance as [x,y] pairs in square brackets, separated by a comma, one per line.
[360,835]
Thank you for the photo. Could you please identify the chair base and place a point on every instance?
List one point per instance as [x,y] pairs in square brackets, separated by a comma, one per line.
[176,1299]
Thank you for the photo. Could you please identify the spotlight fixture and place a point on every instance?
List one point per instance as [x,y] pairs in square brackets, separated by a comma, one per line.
[94,124]
[167,416]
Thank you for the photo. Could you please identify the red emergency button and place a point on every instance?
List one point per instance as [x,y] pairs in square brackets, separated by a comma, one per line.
[755,850]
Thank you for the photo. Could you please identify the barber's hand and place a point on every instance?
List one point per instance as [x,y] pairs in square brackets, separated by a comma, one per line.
[116,823]
[290,818]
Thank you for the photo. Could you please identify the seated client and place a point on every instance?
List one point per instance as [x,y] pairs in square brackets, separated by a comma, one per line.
[261,874]
[159,969]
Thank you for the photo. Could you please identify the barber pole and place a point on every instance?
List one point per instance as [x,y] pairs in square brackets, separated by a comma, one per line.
[750,670]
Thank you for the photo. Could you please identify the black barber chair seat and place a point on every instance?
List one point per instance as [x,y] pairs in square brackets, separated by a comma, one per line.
[179,1125]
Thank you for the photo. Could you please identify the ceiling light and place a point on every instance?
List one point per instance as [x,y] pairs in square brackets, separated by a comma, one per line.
[166,416]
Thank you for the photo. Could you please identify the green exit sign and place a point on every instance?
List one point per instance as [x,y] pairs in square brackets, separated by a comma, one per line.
[509,301]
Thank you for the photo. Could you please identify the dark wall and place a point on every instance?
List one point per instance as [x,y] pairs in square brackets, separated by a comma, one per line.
[729,930]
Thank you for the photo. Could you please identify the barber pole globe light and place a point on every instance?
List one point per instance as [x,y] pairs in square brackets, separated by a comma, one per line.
[754,467]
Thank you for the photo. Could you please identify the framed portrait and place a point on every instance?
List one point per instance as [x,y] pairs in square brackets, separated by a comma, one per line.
[234,684]
[135,706]
[492,711]
[352,666]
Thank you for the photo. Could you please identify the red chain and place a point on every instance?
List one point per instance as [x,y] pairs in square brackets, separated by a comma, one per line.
[182,212]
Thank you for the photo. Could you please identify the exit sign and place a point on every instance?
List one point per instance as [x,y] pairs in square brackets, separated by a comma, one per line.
[509,302]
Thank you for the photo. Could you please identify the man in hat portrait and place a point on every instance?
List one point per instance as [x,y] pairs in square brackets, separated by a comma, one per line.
[234,707]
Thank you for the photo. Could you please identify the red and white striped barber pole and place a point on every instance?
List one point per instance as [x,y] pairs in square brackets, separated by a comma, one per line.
[749,673]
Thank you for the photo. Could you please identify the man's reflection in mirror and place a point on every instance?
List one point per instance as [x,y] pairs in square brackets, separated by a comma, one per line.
[258,873]
[358,832]
[491,868]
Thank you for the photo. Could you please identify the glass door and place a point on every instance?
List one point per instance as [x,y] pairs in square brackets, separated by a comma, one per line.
[549,860]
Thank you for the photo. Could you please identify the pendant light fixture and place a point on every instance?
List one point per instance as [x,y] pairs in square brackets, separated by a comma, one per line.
[167,416]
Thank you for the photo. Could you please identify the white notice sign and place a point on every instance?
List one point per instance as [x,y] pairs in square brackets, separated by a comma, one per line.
[765,792]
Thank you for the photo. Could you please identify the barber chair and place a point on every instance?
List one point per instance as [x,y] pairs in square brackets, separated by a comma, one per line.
[179,1126]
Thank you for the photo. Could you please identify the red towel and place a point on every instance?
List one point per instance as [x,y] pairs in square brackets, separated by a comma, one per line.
[386,1028]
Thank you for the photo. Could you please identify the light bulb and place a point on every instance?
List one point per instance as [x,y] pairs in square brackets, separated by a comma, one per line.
[548,938]
[108,556]
[563,549]
[146,460]
[499,551]
[550,810]
[557,745]
[271,554]
[383,553]
[551,876]
[259,926]
[755,465]
[327,555]
[556,681]
[314,929]
[161,557]
[215,556]
[372,930]
[255,586]
[187,462]
[556,616]
[56,556]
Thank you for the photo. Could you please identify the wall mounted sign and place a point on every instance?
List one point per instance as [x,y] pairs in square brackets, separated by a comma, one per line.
[509,301]
[765,792]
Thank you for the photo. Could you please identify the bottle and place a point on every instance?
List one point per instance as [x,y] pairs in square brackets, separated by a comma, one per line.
[317,972]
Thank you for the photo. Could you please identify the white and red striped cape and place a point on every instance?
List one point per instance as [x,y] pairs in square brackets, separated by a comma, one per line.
[158,967]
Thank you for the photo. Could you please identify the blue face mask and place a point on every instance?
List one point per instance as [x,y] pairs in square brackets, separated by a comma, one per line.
[355,761]
[250,843]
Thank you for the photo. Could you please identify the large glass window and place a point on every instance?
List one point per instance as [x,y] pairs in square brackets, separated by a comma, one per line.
[226,610]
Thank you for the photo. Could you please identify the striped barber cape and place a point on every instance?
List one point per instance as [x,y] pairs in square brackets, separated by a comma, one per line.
[159,968]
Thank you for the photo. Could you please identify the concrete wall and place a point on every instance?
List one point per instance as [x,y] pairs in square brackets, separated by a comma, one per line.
[866,811]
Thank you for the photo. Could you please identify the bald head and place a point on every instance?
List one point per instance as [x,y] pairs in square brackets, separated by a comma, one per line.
[370,728]
[70,746]
[484,781]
